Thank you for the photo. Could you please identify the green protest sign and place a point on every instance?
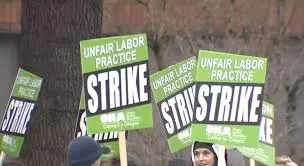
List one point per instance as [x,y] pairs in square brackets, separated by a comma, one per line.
[18,111]
[115,74]
[229,95]
[110,140]
[173,90]
[265,150]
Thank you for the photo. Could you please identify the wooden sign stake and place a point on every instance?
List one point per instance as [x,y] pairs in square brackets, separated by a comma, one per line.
[2,156]
[252,162]
[122,149]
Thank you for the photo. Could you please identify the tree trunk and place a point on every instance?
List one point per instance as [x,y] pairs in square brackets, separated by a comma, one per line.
[49,47]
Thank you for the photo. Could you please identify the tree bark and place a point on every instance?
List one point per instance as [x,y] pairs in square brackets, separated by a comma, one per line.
[49,47]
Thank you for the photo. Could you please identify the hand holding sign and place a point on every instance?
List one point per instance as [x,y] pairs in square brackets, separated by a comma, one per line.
[229,95]
[106,139]
[116,83]
[173,89]
[265,150]
[19,110]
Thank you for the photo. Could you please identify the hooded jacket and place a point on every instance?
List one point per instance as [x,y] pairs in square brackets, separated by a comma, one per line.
[217,150]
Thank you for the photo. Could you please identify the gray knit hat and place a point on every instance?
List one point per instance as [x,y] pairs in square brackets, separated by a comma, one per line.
[84,151]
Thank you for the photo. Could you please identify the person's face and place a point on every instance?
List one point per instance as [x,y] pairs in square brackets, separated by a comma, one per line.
[204,157]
